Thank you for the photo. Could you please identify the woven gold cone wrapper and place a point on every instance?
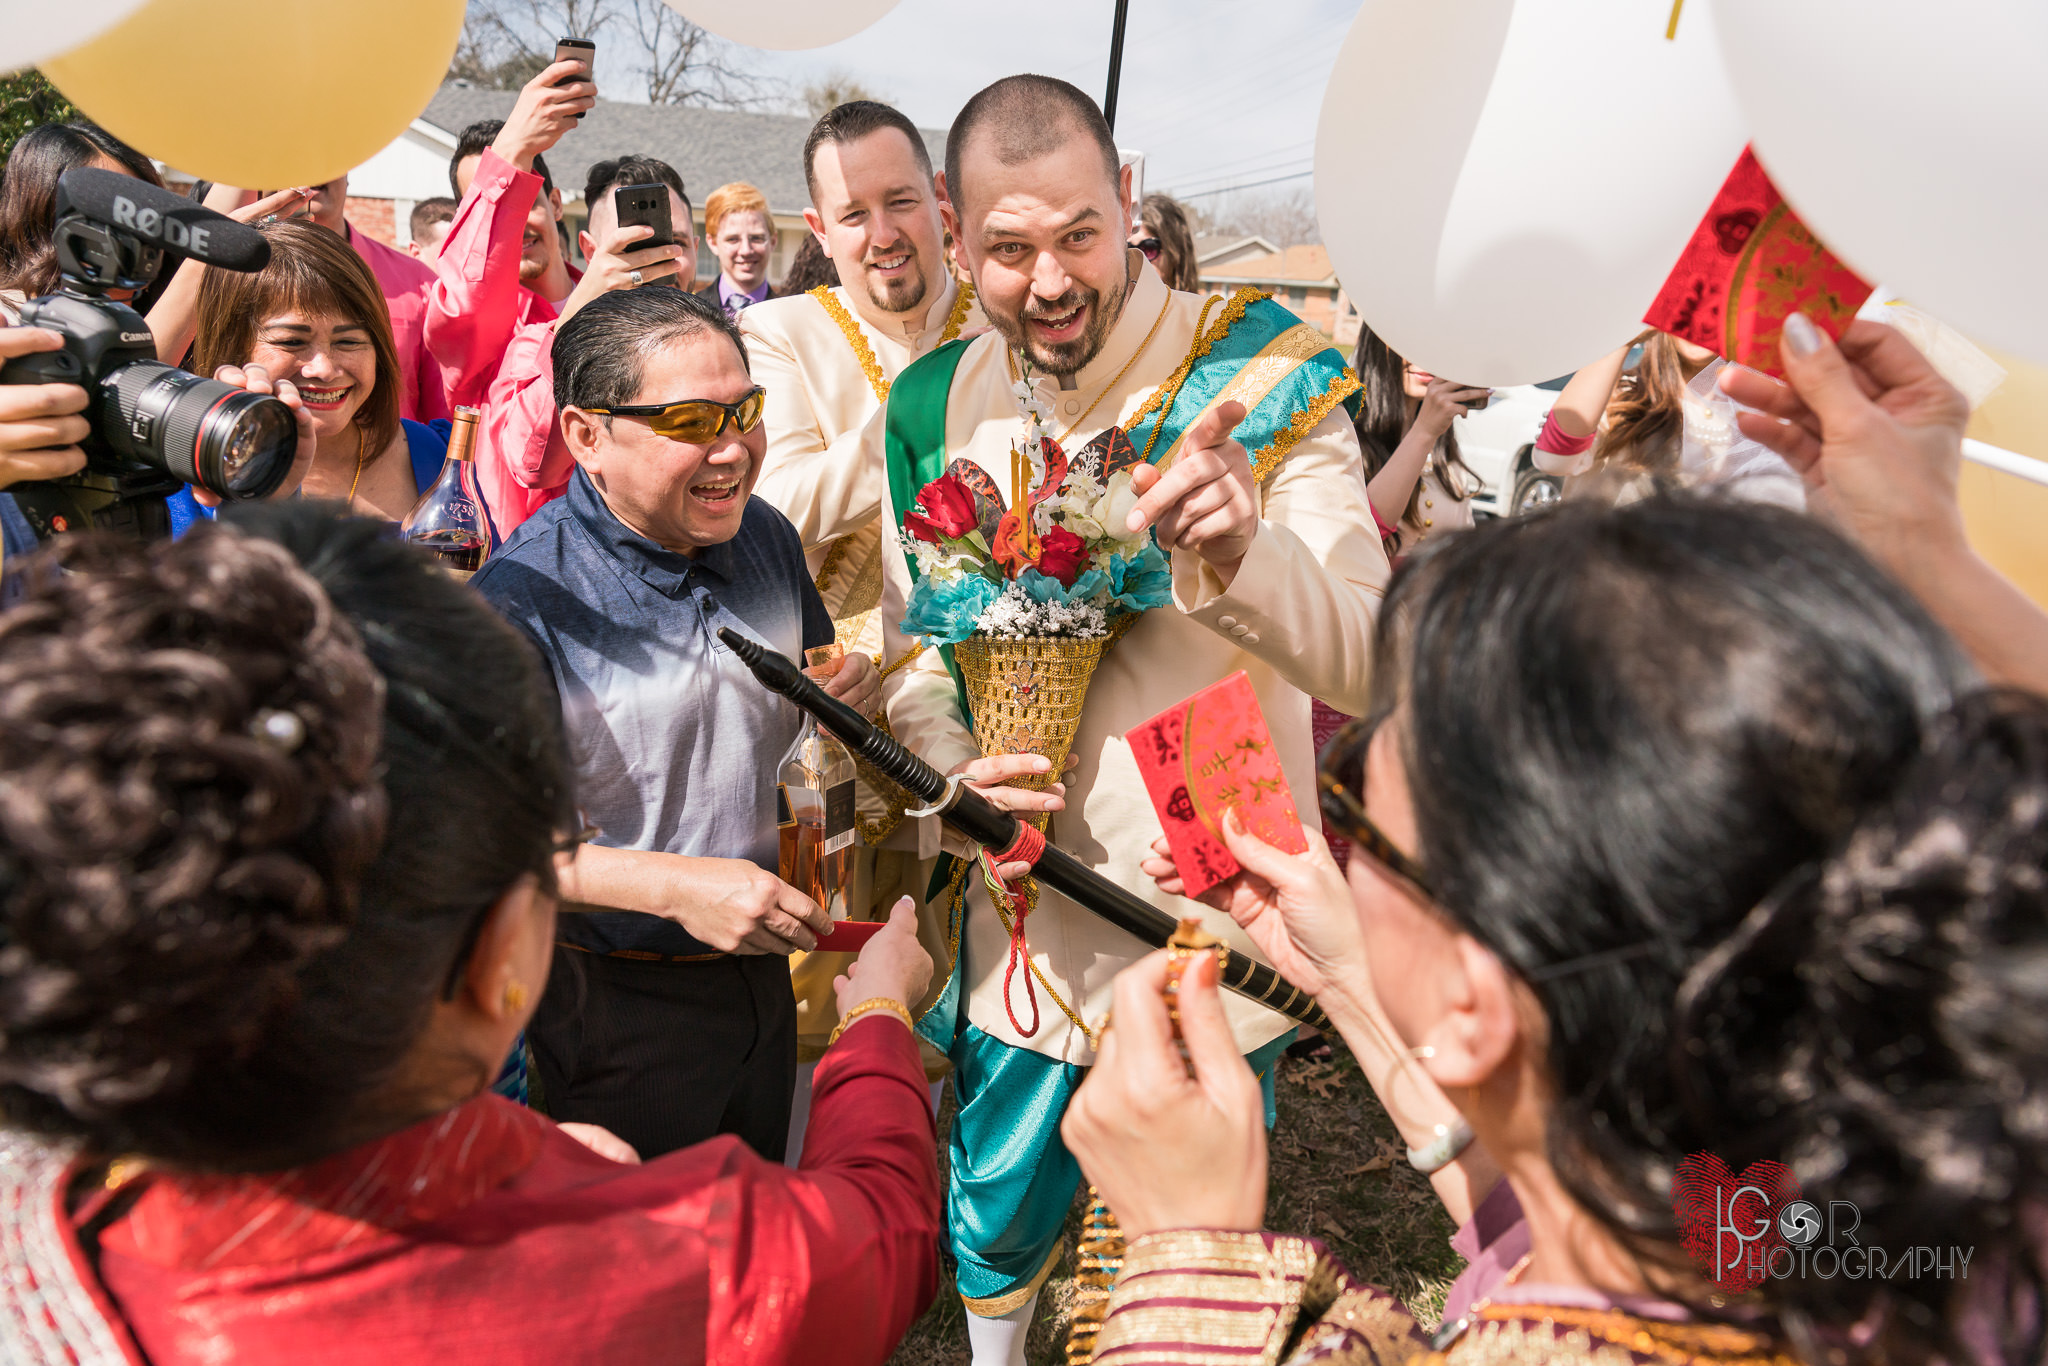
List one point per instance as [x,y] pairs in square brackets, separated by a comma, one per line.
[1027,696]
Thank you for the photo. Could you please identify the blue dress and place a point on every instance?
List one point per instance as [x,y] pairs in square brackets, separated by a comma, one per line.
[425,442]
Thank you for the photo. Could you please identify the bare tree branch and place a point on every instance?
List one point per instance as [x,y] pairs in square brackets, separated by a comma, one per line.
[834,88]
[684,64]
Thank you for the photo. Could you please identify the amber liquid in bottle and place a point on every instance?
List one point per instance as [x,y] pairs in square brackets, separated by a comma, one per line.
[817,828]
[449,518]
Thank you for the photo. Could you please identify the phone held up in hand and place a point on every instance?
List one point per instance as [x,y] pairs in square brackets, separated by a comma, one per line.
[645,206]
[577,50]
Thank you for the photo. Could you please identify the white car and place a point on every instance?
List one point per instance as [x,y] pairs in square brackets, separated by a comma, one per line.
[1496,442]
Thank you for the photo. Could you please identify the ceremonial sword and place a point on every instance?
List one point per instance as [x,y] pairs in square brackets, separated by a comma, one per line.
[983,822]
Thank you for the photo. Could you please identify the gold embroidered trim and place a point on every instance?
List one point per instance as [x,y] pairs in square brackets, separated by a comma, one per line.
[855,338]
[999,1305]
[1303,422]
[1241,299]
[1681,1344]
[963,300]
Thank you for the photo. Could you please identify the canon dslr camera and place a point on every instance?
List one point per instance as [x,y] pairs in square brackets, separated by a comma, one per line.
[154,427]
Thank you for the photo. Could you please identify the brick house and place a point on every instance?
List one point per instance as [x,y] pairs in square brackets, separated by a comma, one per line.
[1300,277]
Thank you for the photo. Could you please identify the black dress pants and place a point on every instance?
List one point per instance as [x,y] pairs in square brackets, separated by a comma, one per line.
[666,1054]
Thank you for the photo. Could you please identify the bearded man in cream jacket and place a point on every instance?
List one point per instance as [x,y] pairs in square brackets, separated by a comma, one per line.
[826,359]
[1276,570]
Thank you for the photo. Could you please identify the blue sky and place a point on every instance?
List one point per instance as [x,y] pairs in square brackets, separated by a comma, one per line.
[1215,92]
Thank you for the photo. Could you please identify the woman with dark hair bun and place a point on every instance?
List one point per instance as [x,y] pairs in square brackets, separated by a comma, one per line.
[281,806]
[1685,841]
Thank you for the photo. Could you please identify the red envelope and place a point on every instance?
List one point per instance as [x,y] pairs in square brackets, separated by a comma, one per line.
[1750,265]
[849,936]
[1203,756]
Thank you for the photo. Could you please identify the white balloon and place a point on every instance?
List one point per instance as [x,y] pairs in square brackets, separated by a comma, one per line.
[1913,140]
[783,24]
[1503,185]
[31,30]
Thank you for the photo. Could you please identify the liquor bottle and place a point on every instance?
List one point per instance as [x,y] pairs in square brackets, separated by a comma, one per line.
[816,806]
[449,517]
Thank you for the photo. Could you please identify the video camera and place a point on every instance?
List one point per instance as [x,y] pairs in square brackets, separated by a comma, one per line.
[154,427]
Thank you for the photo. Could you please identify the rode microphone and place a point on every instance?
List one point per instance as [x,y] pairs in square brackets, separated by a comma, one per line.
[160,219]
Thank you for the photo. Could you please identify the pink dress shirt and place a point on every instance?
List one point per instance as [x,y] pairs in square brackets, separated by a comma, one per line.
[405,281]
[491,335]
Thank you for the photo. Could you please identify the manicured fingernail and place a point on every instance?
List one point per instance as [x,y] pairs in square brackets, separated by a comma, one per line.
[1802,338]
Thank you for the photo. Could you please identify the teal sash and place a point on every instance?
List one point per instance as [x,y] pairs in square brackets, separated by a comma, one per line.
[1288,376]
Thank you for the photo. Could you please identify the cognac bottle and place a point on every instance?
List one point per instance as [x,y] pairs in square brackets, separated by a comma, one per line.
[816,806]
[449,517]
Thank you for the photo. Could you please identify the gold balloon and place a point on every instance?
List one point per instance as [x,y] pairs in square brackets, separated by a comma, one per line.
[263,95]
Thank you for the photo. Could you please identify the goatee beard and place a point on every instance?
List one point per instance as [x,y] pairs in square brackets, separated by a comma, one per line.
[1067,358]
[908,292]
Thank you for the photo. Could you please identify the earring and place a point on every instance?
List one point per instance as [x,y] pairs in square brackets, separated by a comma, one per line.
[515,997]
[1424,1053]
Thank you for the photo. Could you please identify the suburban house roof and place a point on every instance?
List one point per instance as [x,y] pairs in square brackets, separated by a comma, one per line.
[1217,248]
[708,147]
[1302,265]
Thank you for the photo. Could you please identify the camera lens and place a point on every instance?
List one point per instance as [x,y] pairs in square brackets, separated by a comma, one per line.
[238,444]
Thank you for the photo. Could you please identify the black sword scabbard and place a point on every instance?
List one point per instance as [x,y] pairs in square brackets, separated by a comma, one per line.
[986,824]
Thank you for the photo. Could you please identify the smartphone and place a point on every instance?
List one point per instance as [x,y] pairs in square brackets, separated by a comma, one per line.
[645,206]
[577,50]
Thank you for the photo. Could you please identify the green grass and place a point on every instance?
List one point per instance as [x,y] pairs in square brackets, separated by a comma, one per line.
[1385,1224]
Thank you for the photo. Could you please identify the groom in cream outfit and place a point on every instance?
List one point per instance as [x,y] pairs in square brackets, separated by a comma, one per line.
[1256,492]
[826,359]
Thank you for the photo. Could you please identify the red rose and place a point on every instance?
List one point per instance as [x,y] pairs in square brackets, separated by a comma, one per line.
[920,528]
[948,506]
[1061,554]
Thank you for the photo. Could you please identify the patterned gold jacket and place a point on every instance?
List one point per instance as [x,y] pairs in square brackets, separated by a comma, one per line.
[1195,1298]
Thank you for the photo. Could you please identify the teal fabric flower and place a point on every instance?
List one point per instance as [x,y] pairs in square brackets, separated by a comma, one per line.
[946,613]
[1143,581]
[1046,588]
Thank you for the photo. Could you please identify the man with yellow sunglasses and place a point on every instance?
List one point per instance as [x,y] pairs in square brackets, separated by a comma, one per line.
[668,1017]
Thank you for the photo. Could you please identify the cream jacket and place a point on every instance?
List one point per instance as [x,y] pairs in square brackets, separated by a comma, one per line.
[819,399]
[1297,618]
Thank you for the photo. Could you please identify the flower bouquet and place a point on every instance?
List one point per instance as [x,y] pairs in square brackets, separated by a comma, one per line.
[1030,594]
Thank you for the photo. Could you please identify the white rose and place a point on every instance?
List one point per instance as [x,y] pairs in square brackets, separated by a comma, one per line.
[1113,509]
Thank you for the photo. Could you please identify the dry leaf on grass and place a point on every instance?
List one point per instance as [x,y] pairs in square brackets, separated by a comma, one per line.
[1381,1161]
[1321,1078]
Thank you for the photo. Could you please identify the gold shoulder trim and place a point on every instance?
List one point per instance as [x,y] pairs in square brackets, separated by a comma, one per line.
[1240,299]
[963,300]
[855,338]
[1268,458]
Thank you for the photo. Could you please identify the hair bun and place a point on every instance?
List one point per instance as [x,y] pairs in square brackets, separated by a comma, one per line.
[167,862]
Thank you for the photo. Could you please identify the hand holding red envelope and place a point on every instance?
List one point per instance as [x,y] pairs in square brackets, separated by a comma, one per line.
[1204,756]
[1750,265]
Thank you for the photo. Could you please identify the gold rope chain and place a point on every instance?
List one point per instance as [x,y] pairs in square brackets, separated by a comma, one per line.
[963,300]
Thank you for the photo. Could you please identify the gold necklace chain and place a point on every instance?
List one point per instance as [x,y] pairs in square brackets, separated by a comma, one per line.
[963,299]
[362,447]
[1010,357]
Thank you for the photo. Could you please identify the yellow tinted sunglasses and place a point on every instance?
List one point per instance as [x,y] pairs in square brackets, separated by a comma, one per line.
[697,421]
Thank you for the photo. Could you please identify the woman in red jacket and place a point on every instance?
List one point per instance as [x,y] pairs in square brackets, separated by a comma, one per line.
[283,807]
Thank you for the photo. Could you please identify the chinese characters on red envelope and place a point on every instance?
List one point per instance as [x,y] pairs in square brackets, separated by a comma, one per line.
[1750,265]
[1200,758]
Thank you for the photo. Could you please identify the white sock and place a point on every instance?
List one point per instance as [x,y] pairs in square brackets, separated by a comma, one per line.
[1000,1341]
[799,1114]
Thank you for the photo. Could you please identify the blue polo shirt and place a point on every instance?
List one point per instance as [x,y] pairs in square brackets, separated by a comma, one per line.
[677,747]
